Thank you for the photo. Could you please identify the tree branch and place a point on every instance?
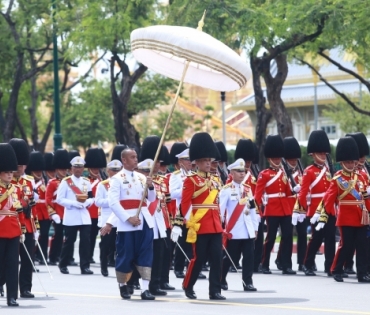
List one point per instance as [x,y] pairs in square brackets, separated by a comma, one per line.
[344,69]
[20,128]
[342,95]
[11,2]
[138,73]
[32,72]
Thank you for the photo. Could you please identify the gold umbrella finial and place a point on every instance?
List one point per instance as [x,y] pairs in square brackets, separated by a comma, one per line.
[201,22]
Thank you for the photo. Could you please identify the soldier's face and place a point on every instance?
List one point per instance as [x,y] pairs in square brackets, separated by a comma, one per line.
[238,176]
[111,172]
[204,165]
[275,162]
[185,164]
[292,162]
[214,165]
[77,170]
[37,174]
[61,172]
[362,160]
[94,172]
[348,165]
[20,170]
[157,165]
[248,164]
[319,157]
[6,177]
[129,160]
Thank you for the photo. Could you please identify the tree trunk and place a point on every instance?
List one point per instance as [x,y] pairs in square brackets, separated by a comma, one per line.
[263,115]
[33,109]
[274,85]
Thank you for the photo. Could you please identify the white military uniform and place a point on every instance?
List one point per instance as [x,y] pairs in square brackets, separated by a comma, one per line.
[129,185]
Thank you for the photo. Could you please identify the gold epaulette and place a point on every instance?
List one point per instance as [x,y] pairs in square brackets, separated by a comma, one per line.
[227,186]
[179,221]
[176,172]
[85,178]
[246,185]
[29,178]
[336,177]
[105,181]
[191,174]
[65,178]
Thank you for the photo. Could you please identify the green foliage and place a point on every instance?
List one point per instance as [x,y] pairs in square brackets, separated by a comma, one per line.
[88,118]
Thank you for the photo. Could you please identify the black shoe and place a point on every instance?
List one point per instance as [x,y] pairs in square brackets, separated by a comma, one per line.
[64,270]
[289,271]
[147,296]
[314,268]
[130,289]
[52,263]
[27,294]
[12,302]
[104,272]
[167,286]
[216,296]
[179,274]
[266,271]
[1,290]
[86,271]
[136,286]
[72,263]
[278,265]
[309,272]
[338,277]
[344,275]
[301,268]
[349,271]
[249,287]
[35,270]
[201,276]
[91,261]
[190,294]
[365,279]
[157,291]
[124,291]
[224,286]
[330,274]
[111,264]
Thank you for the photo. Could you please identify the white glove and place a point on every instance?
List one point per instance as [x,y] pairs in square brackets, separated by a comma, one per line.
[88,202]
[295,218]
[56,218]
[320,226]
[176,233]
[315,217]
[77,204]
[302,216]
[297,188]
[258,217]
[36,235]
[22,238]
[368,190]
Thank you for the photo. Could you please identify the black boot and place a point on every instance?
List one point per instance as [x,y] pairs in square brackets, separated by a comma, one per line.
[12,302]
[124,292]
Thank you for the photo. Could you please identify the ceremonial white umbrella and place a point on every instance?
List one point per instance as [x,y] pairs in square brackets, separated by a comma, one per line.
[188,55]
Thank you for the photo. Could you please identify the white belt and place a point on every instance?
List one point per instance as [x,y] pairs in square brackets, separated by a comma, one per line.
[317,195]
[277,195]
[40,200]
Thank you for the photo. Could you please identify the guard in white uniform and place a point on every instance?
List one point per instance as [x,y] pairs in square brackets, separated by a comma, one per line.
[134,232]
[74,194]
[241,225]
[101,201]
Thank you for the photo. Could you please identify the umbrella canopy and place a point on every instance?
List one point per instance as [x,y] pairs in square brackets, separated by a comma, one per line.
[166,49]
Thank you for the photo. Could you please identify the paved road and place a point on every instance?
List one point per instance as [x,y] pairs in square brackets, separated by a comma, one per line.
[277,294]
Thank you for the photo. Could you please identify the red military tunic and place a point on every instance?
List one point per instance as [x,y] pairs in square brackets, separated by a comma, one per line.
[277,193]
[251,181]
[93,209]
[196,188]
[51,196]
[25,184]
[309,198]
[41,209]
[11,211]
[171,203]
[161,190]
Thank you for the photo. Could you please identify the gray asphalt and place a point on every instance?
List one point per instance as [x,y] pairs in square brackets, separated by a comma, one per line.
[278,294]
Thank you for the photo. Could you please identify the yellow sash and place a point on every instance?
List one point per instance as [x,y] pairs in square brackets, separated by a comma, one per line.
[193,224]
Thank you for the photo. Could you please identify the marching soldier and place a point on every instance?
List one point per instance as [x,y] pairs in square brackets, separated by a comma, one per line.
[315,182]
[346,190]
[27,184]
[201,214]
[135,231]
[74,193]
[56,211]
[101,201]
[241,228]
[272,191]
[94,163]
[11,223]
[35,167]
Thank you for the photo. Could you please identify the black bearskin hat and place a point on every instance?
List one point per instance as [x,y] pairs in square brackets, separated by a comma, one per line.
[116,155]
[318,142]
[347,150]
[176,149]
[21,150]
[72,154]
[61,160]
[166,155]
[222,150]
[149,149]
[274,147]
[94,159]
[244,150]
[292,150]
[8,159]
[361,140]
[202,146]
[48,158]
[256,158]
[36,162]
[103,157]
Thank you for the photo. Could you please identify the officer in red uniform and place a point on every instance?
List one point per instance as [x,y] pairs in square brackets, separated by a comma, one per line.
[345,198]
[315,182]
[56,211]
[11,223]
[34,168]
[95,161]
[27,184]
[201,213]
[49,168]
[273,191]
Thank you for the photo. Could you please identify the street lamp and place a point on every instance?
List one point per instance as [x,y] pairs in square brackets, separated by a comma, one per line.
[315,109]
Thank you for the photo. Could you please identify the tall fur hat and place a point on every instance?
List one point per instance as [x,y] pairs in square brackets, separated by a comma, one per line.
[8,159]
[292,150]
[202,146]
[318,142]
[20,148]
[61,159]
[36,162]
[347,150]
[244,150]
[274,147]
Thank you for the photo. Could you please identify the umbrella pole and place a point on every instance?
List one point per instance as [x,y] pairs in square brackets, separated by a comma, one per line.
[164,132]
